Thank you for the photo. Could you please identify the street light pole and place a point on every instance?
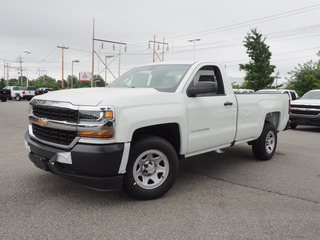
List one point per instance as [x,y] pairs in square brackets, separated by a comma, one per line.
[73,61]
[105,69]
[27,52]
[194,45]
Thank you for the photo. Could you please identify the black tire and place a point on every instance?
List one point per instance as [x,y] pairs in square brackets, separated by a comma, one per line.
[18,98]
[265,146]
[152,168]
[3,99]
[293,125]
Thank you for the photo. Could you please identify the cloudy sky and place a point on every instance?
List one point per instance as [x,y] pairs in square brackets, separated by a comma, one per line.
[292,28]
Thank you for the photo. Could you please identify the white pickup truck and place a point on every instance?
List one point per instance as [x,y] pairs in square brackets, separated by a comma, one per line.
[133,133]
[306,110]
[19,93]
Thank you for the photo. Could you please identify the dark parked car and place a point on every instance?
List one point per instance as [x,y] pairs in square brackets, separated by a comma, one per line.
[5,94]
[43,90]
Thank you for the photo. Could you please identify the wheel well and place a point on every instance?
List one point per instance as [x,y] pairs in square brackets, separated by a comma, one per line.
[273,118]
[169,131]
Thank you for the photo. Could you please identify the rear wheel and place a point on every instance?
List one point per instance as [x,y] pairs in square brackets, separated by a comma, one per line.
[151,169]
[265,146]
[18,98]
[3,99]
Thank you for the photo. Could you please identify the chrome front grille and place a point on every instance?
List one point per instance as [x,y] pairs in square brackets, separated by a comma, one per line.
[305,109]
[305,106]
[54,113]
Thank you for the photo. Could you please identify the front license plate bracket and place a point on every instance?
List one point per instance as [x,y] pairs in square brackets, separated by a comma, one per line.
[40,162]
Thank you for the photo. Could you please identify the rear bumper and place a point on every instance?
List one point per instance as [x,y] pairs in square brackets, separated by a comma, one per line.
[28,96]
[95,166]
[287,126]
[3,96]
[300,119]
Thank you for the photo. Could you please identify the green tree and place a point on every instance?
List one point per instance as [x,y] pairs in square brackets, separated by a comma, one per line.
[2,83]
[98,81]
[13,82]
[78,84]
[44,82]
[258,70]
[305,77]
[72,79]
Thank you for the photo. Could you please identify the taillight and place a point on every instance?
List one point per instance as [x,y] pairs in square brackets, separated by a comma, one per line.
[289,106]
[37,92]
[23,92]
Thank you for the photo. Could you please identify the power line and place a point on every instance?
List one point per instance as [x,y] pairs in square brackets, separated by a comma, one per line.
[247,23]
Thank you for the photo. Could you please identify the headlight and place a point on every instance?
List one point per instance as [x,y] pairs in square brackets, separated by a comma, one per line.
[30,109]
[96,122]
[94,115]
[90,115]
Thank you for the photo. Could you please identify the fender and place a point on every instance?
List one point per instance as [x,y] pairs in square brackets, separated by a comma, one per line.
[128,120]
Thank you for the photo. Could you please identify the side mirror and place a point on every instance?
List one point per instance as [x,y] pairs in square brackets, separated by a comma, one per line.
[202,88]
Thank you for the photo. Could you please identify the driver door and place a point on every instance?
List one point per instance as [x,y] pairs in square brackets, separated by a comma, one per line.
[211,117]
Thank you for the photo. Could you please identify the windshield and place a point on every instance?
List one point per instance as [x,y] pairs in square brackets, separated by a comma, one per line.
[165,78]
[311,95]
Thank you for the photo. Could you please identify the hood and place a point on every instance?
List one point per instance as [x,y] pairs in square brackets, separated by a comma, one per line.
[103,96]
[306,102]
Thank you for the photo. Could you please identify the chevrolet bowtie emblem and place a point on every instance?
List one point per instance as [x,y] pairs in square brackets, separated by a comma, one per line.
[42,122]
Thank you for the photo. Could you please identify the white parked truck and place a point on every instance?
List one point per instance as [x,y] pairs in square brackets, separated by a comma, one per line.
[19,93]
[133,133]
[306,110]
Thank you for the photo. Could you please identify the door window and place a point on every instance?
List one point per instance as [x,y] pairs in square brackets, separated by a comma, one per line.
[209,73]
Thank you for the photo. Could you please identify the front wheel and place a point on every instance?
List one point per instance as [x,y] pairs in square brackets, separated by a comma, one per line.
[151,169]
[265,146]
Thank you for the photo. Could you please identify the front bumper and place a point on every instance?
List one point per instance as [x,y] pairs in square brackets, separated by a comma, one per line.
[300,119]
[95,166]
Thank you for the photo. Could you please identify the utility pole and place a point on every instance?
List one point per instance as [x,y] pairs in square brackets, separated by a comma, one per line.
[92,77]
[276,78]
[27,52]
[118,43]
[163,50]
[119,58]
[154,48]
[6,74]
[20,61]
[62,48]
[105,69]
[4,70]
[8,70]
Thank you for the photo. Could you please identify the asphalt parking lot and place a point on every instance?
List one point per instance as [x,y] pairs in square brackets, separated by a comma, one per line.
[226,195]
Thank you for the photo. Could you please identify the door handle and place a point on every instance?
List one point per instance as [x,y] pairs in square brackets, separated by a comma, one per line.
[228,103]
